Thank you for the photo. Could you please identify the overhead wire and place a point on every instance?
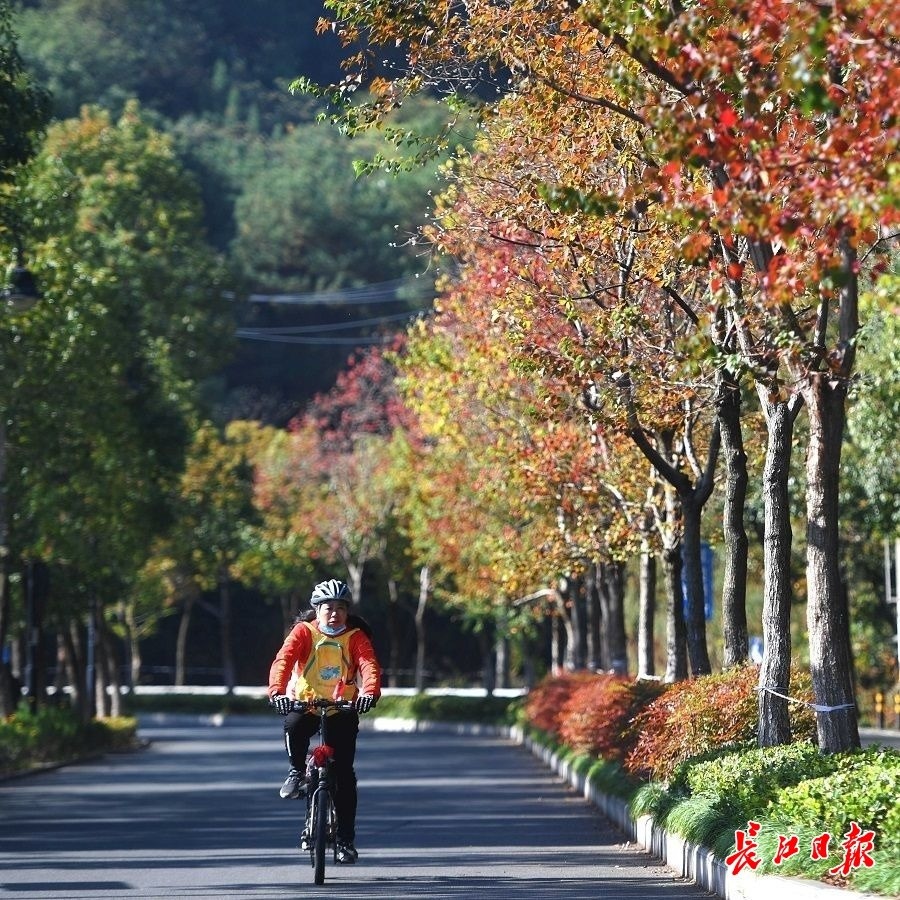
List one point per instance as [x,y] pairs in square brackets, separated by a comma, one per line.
[379,292]
[399,290]
[333,326]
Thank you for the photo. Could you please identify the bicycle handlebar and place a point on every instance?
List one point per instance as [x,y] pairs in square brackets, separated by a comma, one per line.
[321,704]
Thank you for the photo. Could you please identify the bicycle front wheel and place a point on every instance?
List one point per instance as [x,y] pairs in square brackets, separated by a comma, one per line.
[320,833]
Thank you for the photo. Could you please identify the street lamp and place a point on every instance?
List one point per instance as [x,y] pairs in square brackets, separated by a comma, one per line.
[20,293]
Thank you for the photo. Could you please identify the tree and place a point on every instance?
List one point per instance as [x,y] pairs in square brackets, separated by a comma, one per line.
[24,105]
[177,59]
[307,221]
[767,133]
[23,111]
[131,319]
[279,552]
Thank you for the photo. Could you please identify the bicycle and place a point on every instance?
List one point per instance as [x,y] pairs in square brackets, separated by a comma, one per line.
[320,829]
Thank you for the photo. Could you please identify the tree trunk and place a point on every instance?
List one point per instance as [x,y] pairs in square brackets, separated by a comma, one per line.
[676,637]
[501,660]
[774,721]
[827,616]
[695,619]
[228,677]
[692,496]
[101,694]
[8,699]
[646,610]
[593,615]
[71,646]
[113,677]
[530,653]
[393,627]
[488,669]
[424,590]
[557,637]
[569,609]
[614,616]
[355,577]
[90,663]
[181,641]
[106,681]
[734,585]
[135,660]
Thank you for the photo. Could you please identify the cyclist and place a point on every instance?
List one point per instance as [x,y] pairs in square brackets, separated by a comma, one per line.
[326,656]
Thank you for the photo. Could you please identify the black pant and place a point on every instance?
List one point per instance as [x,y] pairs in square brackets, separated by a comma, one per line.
[340,734]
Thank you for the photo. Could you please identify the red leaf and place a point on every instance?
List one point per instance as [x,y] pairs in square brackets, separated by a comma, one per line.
[729,118]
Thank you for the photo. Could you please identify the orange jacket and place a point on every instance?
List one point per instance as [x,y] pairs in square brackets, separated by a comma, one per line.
[295,652]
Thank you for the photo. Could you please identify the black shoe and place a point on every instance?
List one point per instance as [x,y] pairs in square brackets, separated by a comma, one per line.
[305,843]
[346,853]
[292,786]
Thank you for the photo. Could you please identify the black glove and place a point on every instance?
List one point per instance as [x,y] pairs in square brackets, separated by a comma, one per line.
[365,702]
[282,703]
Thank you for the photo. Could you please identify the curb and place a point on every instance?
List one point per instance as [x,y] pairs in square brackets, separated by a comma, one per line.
[687,859]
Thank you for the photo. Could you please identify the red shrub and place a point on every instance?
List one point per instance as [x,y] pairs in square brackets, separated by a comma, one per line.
[547,699]
[694,716]
[599,716]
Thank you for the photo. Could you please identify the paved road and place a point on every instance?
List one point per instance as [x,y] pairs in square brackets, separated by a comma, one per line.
[883,736]
[197,815]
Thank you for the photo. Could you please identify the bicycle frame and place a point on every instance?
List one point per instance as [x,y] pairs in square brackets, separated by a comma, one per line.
[321,820]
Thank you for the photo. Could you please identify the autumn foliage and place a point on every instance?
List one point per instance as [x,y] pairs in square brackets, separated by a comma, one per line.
[702,714]
[599,716]
[546,702]
[649,726]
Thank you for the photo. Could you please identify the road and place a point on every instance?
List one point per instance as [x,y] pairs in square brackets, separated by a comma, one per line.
[197,815]
[882,736]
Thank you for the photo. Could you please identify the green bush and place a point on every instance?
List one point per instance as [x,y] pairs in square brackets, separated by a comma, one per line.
[446,708]
[609,777]
[53,734]
[698,740]
[746,781]
[863,788]
[196,704]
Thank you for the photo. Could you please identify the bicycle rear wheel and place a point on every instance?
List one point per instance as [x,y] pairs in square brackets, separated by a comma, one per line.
[320,834]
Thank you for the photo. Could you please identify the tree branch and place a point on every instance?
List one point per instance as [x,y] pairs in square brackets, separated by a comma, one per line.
[682,304]
[677,479]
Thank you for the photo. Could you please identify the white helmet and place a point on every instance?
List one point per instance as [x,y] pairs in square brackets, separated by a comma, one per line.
[332,589]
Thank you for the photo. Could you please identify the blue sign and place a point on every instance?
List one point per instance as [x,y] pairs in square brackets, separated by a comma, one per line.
[706,565]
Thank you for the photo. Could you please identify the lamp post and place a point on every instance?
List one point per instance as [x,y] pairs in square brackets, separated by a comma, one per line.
[18,295]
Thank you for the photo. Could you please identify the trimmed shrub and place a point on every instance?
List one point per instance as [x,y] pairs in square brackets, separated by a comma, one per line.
[863,787]
[745,782]
[547,700]
[598,716]
[55,734]
[693,717]
[445,708]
